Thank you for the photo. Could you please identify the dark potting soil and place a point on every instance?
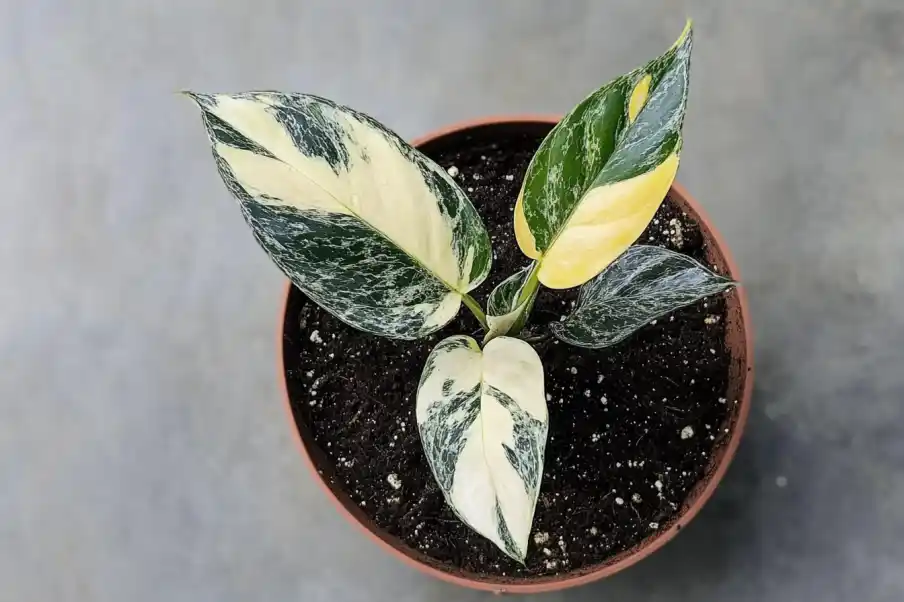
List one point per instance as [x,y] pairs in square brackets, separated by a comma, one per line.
[631,428]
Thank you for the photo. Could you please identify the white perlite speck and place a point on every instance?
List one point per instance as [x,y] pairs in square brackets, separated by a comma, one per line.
[599,378]
[548,397]
[677,232]
[453,171]
[658,485]
[781,481]
[394,481]
[687,432]
[586,392]
[654,525]
[574,370]
[711,319]
[509,177]
[636,498]
[541,537]
[315,337]
[593,530]
[619,501]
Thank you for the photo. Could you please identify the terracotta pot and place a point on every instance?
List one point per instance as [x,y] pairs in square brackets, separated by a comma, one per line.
[738,341]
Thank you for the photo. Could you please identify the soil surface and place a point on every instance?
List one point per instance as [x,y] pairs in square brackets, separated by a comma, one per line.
[631,428]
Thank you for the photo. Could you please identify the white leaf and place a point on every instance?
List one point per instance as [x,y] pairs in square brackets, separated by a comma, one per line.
[483,423]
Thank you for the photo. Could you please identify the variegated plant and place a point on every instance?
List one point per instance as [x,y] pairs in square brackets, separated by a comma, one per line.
[384,239]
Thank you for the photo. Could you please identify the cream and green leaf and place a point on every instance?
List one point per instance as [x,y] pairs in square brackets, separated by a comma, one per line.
[602,172]
[483,423]
[368,227]
[645,283]
[509,304]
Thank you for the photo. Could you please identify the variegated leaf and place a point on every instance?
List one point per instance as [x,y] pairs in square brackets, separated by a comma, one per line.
[506,311]
[483,423]
[601,173]
[368,227]
[642,285]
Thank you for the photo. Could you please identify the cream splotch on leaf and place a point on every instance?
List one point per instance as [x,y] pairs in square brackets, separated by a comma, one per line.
[367,226]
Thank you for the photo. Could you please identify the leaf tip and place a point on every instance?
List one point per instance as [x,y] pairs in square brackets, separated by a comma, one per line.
[201,100]
[687,34]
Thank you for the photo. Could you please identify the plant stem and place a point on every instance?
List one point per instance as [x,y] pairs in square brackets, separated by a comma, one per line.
[475,309]
[530,287]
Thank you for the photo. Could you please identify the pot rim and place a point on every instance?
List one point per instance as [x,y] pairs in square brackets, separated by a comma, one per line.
[631,556]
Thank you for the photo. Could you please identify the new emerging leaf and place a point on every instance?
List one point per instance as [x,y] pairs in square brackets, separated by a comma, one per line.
[507,311]
[364,224]
[602,172]
[483,423]
[643,284]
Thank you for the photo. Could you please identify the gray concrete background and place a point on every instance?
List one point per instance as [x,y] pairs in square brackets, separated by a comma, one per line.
[144,455]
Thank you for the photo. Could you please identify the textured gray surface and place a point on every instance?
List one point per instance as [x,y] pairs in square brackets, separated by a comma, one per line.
[144,454]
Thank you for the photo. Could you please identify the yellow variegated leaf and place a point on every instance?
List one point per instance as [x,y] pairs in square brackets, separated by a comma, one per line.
[483,423]
[608,220]
[602,172]
[522,231]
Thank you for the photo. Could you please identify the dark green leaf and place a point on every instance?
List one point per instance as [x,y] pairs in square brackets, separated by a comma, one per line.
[643,284]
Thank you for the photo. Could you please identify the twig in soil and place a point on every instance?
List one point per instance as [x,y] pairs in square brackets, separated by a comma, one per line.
[356,416]
[440,520]
[636,513]
[367,396]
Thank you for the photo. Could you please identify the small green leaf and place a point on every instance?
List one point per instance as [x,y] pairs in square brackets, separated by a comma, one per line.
[601,173]
[642,285]
[368,227]
[483,422]
[506,311]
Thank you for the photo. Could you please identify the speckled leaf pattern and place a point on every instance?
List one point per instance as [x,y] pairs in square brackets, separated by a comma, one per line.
[483,423]
[643,284]
[506,313]
[601,173]
[369,228]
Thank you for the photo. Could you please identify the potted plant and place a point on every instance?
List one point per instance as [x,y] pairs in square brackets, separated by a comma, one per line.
[571,427]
